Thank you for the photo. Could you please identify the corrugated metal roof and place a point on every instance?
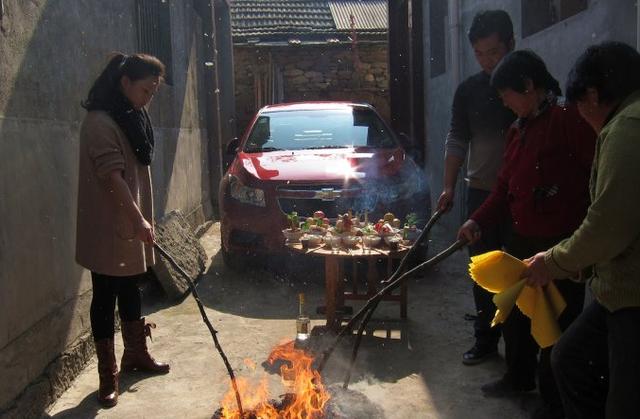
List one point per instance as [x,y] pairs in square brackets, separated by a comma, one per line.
[250,17]
[368,14]
[275,19]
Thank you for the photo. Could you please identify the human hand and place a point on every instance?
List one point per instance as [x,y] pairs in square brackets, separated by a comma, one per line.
[537,273]
[445,201]
[144,232]
[470,231]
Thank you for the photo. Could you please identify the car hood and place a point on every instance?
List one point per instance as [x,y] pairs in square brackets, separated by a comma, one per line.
[323,165]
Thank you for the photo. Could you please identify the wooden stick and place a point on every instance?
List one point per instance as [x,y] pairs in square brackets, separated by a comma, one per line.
[347,329]
[394,281]
[372,304]
[213,331]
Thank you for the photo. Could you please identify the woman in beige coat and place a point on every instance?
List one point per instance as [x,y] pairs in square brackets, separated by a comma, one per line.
[115,211]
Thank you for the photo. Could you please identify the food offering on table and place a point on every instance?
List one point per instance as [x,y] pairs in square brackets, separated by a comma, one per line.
[345,226]
[311,240]
[384,228]
[350,232]
[350,241]
[410,232]
[371,240]
[346,232]
[388,229]
[333,242]
[293,233]
[317,225]
[393,242]
[370,237]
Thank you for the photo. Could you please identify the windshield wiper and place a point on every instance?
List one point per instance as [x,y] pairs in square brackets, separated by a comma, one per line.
[326,147]
[262,150]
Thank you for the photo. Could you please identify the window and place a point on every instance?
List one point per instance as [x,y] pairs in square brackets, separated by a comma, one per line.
[437,37]
[154,32]
[318,129]
[540,14]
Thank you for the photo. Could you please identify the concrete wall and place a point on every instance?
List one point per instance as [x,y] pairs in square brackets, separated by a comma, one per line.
[559,45]
[50,53]
[314,73]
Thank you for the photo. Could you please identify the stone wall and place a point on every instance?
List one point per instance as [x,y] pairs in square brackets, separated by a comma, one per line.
[312,72]
[47,69]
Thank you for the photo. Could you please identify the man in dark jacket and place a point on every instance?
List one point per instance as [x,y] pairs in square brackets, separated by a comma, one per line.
[479,122]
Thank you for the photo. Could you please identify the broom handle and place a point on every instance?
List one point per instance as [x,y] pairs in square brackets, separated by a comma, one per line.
[213,331]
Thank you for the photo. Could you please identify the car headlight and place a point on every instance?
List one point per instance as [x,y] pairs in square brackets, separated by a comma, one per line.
[245,194]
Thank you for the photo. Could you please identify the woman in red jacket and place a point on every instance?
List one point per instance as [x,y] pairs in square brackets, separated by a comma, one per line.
[543,187]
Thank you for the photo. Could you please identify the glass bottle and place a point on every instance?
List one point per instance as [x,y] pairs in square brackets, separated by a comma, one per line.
[302,322]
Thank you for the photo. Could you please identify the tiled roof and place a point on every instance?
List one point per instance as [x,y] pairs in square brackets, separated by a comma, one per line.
[304,19]
[255,17]
[368,15]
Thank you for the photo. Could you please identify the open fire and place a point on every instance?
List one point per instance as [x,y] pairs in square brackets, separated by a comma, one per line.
[306,395]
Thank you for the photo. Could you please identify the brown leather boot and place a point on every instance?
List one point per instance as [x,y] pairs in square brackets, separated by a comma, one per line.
[136,356]
[108,373]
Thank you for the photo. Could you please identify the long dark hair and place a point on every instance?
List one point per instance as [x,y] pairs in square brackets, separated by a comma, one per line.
[107,85]
[519,66]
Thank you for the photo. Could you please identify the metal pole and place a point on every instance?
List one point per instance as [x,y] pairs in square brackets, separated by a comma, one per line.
[638,25]
[454,37]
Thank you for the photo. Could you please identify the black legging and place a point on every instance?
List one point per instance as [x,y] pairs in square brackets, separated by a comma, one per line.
[106,289]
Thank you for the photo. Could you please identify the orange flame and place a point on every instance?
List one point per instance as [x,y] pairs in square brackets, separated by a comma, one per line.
[299,378]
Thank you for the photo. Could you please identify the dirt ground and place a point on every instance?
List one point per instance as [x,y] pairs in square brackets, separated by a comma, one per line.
[406,369]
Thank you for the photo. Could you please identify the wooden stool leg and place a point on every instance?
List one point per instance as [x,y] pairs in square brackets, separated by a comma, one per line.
[372,277]
[403,291]
[403,301]
[334,295]
[354,277]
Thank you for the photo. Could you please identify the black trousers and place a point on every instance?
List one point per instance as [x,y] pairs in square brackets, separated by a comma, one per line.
[521,350]
[491,239]
[597,364]
[106,291]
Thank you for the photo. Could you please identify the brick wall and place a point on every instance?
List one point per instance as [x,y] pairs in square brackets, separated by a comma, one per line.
[313,73]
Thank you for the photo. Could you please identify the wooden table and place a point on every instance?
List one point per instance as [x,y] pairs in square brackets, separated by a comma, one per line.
[334,273]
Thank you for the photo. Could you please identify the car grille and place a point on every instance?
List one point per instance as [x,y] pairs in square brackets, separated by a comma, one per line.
[330,199]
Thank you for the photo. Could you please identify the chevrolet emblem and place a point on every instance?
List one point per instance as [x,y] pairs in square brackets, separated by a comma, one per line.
[328,194]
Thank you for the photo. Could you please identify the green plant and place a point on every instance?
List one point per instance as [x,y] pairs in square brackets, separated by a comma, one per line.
[294,221]
[412,220]
[368,230]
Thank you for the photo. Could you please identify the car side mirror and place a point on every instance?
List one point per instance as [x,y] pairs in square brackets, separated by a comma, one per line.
[232,146]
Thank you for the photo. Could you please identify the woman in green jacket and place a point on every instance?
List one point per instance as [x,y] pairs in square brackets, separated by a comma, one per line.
[597,361]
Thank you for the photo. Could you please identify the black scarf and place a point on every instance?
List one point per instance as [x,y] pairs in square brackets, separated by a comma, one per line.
[136,126]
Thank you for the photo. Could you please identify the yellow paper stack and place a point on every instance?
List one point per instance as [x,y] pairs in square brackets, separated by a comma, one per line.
[499,272]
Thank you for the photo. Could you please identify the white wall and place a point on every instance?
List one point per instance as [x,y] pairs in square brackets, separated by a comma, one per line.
[559,45]
[50,53]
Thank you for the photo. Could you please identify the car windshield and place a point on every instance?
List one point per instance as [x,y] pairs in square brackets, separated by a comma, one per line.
[318,129]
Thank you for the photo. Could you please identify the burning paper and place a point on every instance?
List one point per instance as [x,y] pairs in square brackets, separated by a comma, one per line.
[306,395]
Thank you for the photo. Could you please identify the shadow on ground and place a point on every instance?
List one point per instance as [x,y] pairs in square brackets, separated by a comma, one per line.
[409,369]
[89,406]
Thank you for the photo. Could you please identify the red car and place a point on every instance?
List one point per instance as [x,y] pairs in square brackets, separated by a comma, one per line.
[304,157]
